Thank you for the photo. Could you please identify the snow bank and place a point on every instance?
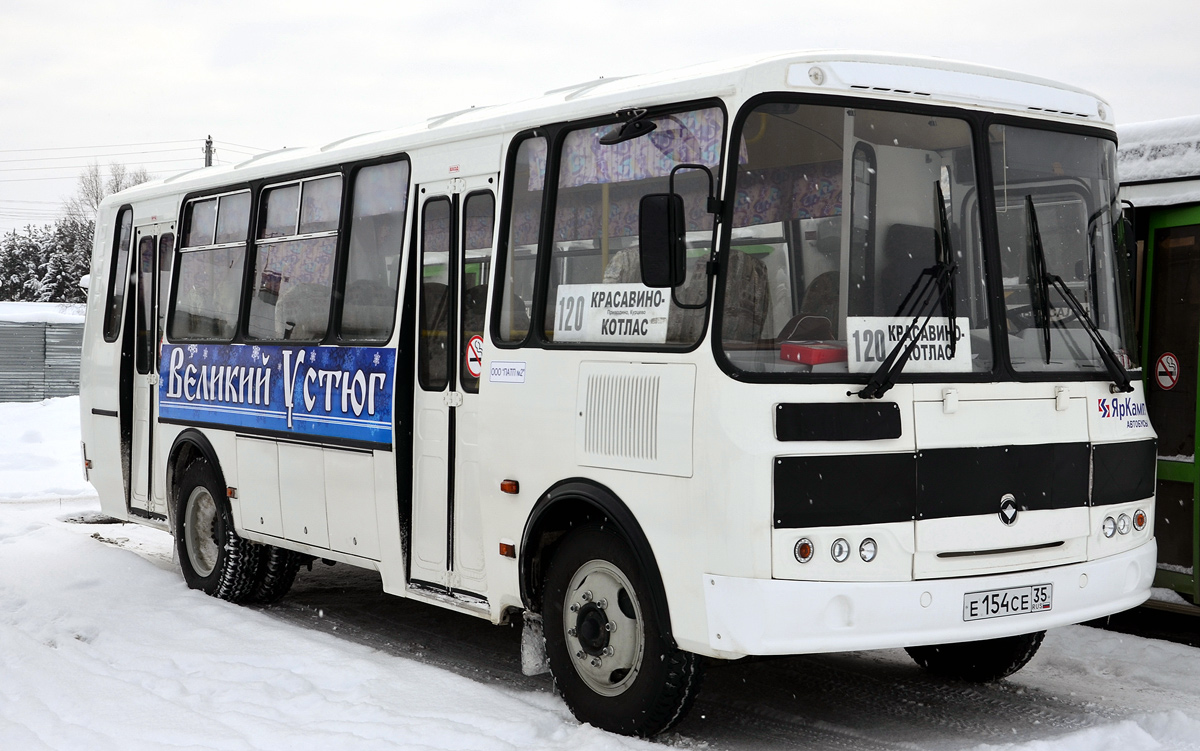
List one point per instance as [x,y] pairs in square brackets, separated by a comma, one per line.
[41,312]
[1159,149]
[40,456]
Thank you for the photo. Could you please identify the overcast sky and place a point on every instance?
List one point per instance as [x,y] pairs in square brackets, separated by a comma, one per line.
[80,77]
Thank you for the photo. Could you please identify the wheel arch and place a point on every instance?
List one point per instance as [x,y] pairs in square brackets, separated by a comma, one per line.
[571,503]
[188,446]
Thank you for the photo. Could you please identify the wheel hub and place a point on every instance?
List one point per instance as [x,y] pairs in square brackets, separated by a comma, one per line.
[591,629]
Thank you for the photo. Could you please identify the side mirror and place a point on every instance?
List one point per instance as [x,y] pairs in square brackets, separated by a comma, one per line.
[85,281]
[661,226]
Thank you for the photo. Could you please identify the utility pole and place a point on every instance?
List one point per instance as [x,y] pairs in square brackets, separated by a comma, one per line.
[208,152]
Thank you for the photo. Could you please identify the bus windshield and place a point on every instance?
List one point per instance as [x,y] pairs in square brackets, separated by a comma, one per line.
[1070,180]
[851,226]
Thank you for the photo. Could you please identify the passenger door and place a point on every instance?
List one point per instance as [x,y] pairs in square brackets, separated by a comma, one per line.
[1172,358]
[153,245]
[455,241]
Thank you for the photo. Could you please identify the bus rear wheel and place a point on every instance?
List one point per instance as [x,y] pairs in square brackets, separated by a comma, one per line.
[277,569]
[213,557]
[978,661]
[609,657]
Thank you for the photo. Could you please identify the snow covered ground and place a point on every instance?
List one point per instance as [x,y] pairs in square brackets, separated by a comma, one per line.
[102,646]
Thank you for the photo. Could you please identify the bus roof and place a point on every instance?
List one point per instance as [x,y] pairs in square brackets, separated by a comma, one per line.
[861,74]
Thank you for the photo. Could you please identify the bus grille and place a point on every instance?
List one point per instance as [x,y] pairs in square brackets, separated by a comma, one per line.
[621,416]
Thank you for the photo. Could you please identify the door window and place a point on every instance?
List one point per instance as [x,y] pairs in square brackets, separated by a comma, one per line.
[433,360]
[478,219]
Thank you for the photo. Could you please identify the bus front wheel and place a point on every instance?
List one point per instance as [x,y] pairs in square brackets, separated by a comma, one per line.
[609,657]
[214,558]
[978,661]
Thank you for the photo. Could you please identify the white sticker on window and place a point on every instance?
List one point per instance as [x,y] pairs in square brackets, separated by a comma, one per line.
[505,371]
[869,340]
[611,313]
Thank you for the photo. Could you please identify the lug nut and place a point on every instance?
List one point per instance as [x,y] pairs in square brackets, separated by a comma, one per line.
[602,603]
[608,651]
[610,627]
[574,607]
[570,632]
[597,662]
[586,596]
[579,654]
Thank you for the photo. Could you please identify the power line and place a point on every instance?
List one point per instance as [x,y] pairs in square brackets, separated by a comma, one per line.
[85,166]
[243,146]
[64,177]
[95,156]
[102,146]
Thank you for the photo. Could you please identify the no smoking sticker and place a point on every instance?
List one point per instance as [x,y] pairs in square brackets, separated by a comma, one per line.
[475,356]
[1166,371]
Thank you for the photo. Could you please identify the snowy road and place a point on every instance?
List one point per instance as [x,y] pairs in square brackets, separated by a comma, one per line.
[103,647]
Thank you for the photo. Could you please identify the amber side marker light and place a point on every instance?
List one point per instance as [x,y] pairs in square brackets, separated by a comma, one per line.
[508,550]
[1139,520]
[512,487]
[803,550]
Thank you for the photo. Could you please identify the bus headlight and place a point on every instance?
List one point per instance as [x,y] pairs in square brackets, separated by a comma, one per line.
[803,550]
[1109,527]
[867,550]
[1123,524]
[840,550]
[1139,520]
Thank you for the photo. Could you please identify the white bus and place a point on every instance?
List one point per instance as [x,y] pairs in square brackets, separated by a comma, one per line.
[809,353]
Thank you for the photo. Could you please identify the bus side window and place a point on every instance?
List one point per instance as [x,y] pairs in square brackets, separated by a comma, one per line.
[118,282]
[523,197]
[376,241]
[210,268]
[294,254]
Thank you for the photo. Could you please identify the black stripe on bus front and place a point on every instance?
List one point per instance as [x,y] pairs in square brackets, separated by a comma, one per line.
[971,481]
[844,490]
[833,491]
[1123,472]
[843,421]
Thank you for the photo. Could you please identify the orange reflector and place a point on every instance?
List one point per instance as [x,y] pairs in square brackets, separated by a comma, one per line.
[508,550]
[1139,519]
[512,487]
[231,492]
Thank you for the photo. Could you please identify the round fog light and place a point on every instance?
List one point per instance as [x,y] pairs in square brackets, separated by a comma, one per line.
[1123,524]
[803,550]
[840,550]
[867,550]
[1109,527]
[1139,520]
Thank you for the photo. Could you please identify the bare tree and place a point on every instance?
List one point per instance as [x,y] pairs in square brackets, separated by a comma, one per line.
[94,188]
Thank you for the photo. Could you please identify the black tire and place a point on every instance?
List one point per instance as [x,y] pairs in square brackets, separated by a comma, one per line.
[213,557]
[277,569]
[647,686]
[978,661]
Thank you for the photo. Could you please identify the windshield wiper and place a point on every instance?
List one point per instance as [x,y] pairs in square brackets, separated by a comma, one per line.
[1043,281]
[938,287]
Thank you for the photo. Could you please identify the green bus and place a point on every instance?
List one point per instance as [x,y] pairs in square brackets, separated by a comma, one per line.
[1159,164]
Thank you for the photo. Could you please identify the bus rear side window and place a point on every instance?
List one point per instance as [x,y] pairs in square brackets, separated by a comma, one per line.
[210,268]
[118,281]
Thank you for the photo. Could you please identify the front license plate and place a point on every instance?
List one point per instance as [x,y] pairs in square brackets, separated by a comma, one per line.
[997,603]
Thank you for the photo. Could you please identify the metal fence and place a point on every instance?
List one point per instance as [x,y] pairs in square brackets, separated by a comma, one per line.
[39,360]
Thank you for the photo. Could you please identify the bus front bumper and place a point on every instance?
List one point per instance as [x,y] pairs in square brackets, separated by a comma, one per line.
[778,617]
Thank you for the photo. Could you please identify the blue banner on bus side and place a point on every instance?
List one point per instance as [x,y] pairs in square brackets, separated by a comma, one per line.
[323,392]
